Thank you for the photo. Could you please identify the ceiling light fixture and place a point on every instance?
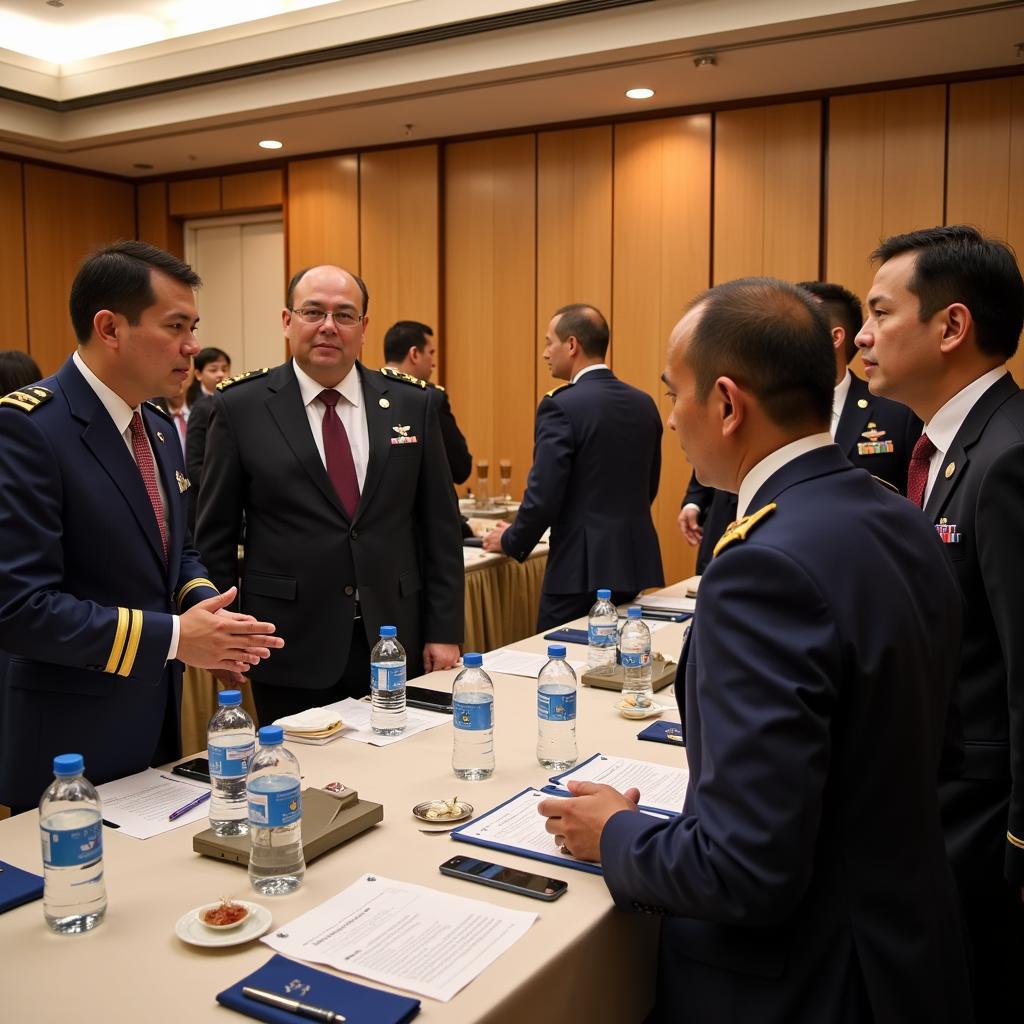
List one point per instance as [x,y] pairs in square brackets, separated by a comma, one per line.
[705,61]
[270,144]
[640,94]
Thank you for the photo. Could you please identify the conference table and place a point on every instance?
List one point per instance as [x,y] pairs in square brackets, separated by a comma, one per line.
[582,960]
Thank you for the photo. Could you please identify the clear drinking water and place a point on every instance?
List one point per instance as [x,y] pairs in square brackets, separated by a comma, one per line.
[387,684]
[473,721]
[276,862]
[602,635]
[635,656]
[230,744]
[556,712]
[71,833]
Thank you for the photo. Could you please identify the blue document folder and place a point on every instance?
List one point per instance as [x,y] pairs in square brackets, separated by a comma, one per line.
[664,732]
[18,887]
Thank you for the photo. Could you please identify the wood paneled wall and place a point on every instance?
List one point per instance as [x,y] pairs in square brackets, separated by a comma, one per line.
[14,333]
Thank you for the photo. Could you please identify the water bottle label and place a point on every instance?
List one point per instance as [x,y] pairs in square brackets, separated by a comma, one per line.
[602,636]
[636,659]
[72,847]
[387,677]
[556,707]
[473,716]
[230,762]
[272,810]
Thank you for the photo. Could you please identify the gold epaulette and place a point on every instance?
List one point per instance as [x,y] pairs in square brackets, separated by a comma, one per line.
[127,635]
[153,407]
[406,378]
[248,375]
[740,529]
[187,588]
[554,391]
[28,399]
[885,483]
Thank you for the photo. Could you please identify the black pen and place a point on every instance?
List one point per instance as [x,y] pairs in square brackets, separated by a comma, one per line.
[293,1006]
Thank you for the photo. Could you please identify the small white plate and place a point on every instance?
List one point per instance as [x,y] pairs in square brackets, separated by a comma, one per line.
[631,711]
[191,930]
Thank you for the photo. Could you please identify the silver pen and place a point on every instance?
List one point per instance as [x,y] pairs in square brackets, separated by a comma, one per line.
[293,1006]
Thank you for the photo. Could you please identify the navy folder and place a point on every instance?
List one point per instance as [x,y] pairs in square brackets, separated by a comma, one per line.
[664,732]
[17,887]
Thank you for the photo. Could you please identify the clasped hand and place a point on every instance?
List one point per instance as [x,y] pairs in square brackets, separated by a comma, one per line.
[578,821]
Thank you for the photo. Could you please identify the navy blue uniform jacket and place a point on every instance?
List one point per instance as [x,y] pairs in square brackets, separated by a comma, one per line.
[85,598]
[805,881]
[596,467]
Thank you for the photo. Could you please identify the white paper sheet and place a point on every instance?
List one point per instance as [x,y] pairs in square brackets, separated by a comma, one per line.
[511,662]
[139,804]
[356,716]
[661,786]
[668,604]
[408,936]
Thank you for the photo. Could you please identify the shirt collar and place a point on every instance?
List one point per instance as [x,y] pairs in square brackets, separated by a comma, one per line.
[945,424]
[587,369]
[350,388]
[117,408]
[772,463]
[839,396]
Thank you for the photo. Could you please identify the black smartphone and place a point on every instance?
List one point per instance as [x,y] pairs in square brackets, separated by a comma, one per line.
[198,768]
[500,877]
[429,700]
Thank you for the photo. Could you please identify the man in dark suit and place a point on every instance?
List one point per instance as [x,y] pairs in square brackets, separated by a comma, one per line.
[350,516]
[805,879]
[945,313]
[410,353]
[101,594]
[704,517]
[595,473]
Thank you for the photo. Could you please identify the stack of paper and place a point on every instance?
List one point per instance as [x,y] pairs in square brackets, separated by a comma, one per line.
[314,725]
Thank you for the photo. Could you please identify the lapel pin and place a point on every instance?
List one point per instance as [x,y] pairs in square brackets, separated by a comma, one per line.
[950,470]
[384,403]
[183,481]
[160,437]
[862,403]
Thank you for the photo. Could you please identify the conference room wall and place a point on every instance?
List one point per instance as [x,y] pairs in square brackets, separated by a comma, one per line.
[14,333]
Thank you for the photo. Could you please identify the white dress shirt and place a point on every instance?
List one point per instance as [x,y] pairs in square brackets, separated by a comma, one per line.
[838,401]
[587,369]
[772,463]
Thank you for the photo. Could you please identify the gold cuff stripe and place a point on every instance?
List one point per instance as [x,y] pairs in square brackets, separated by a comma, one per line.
[119,635]
[134,636]
[1019,843]
[190,586]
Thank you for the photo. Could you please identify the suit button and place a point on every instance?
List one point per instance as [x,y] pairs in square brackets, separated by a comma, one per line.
[355,535]
[349,591]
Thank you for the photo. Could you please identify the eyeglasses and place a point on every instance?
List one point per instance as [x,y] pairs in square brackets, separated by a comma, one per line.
[342,317]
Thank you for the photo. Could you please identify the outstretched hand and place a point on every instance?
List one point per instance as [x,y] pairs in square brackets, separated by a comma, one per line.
[213,637]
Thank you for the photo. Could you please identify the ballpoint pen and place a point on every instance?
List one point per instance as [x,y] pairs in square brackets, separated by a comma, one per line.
[188,807]
[293,1005]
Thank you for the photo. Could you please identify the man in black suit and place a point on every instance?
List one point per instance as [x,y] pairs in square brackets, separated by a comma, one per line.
[595,473]
[350,514]
[945,313]
[410,352]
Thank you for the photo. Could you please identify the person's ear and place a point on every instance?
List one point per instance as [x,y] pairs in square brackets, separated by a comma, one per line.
[956,323]
[105,326]
[731,403]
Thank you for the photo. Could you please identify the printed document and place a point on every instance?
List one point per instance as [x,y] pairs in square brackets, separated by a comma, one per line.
[521,663]
[355,714]
[661,786]
[140,804]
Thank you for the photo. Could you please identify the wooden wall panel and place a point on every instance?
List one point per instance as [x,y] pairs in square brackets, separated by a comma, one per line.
[399,211]
[490,269]
[574,229]
[886,157]
[66,216]
[323,213]
[14,333]
[767,185]
[194,197]
[254,190]
[662,225]
[155,223]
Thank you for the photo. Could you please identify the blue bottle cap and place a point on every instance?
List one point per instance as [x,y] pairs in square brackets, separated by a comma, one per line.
[68,764]
[604,595]
[472,660]
[271,735]
[229,698]
[635,612]
[556,650]
[388,631]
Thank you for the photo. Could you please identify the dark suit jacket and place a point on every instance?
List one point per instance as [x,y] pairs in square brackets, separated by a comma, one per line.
[455,448]
[982,498]
[805,881]
[596,467]
[85,597]
[717,511]
[304,559]
[195,450]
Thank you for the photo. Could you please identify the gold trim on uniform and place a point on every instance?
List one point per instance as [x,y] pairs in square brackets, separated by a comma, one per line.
[119,634]
[27,400]
[740,529]
[1019,843]
[248,375]
[190,586]
[134,636]
[561,387]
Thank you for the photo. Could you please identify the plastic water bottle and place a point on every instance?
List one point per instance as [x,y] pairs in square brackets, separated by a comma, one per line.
[556,711]
[473,718]
[635,655]
[273,787]
[230,744]
[602,635]
[71,831]
[387,684]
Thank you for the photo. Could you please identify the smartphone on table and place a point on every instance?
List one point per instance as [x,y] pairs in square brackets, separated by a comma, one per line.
[500,877]
[429,700]
[198,768]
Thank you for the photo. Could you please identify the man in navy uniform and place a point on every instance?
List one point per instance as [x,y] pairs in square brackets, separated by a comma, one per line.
[805,879]
[945,313]
[101,594]
[596,468]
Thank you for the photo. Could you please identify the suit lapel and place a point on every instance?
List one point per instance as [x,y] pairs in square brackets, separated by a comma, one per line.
[854,418]
[378,427]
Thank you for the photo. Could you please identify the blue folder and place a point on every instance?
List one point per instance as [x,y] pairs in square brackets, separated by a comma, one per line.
[664,732]
[18,887]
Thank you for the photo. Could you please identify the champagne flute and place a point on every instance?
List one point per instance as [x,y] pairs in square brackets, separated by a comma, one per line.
[505,469]
[482,469]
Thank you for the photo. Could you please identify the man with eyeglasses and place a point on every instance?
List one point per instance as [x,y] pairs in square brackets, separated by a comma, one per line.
[350,515]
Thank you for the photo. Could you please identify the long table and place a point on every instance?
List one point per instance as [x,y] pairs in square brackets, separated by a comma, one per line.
[582,959]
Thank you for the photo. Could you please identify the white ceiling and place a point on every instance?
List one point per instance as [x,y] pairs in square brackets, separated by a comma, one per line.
[561,70]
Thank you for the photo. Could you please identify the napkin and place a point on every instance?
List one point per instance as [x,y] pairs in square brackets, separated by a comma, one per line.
[664,732]
[17,887]
[311,720]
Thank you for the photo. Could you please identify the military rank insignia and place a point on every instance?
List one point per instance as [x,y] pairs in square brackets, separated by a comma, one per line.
[27,400]
[738,530]
[183,481]
[404,436]
[948,532]
[874,445]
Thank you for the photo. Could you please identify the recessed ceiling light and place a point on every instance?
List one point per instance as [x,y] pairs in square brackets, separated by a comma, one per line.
[639,94]
[270,144]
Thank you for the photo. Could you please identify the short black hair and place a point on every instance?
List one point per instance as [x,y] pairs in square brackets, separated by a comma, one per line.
[585,324]
[958,264]
[300,274]
[842,308]
[402,336]
[771,338]
[17,369]
[210,355]
[117,278]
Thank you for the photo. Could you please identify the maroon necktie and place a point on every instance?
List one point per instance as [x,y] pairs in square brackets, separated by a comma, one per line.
[144,460]
[338,454]
[917,471]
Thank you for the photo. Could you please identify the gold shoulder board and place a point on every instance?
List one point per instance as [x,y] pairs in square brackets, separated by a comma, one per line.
[405,378]
[740,529]
[554,391]
[248,375]
[27,399]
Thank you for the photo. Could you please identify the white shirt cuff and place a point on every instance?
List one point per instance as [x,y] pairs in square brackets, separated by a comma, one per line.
[172,651]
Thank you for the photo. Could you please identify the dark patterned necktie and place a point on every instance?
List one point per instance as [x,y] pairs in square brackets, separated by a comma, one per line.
[144,460]
[917,471]
[341,468]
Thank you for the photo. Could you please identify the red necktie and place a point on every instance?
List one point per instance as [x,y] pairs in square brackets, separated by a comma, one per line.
[338,454]
[144,460]
[917,471]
